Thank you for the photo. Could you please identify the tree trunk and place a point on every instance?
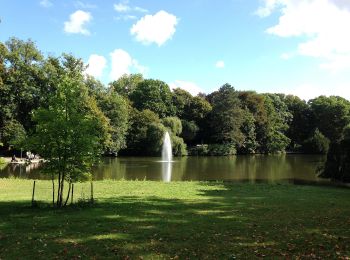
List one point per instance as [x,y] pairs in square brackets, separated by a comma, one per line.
[59,189]
[61,192]
[53,191]
[70,185]
[71,202]
[33,194]
[92,192]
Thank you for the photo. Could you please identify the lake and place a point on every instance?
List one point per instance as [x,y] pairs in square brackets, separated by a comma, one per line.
[252,168]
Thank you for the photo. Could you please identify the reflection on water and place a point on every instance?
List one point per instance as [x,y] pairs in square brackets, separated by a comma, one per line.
[166,171]
[252,168]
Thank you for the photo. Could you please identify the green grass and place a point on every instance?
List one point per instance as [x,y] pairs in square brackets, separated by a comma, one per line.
[196,220]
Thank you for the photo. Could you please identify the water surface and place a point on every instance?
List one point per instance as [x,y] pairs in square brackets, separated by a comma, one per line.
[252,168]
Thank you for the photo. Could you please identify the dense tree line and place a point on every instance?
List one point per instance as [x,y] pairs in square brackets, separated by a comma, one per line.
[139,111]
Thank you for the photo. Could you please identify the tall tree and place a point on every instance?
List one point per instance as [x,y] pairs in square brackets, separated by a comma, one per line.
[126,84]
[331,115]
[226,117]
[70,133]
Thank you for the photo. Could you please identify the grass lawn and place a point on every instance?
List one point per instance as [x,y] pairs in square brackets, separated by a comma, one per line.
[180,220]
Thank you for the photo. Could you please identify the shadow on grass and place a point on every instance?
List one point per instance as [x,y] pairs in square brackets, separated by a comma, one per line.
[232,221]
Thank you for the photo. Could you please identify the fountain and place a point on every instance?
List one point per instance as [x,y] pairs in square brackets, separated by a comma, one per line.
[167,154]
[167,157]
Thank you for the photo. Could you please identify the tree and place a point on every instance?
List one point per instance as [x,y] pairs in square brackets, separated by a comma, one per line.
[126,84]
[337,166]
[139,123]
[70,133]
[302,124]
[317,143]
[274,138]
[331,115]
[154,95]
[21,79]
[115,108]
[13,134]
[226,117]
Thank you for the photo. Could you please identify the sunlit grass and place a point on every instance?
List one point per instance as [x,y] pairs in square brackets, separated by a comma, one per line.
[155,220]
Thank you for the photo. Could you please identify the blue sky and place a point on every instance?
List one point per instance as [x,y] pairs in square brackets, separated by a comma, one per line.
[297,47]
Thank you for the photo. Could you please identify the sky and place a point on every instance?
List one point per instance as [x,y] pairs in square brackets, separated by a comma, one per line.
[299,47]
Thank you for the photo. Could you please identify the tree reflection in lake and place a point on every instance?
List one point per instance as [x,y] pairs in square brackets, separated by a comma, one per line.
[252,168]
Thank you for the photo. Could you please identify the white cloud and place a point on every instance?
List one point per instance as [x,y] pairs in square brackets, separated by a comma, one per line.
[140,9]
[191,87]
[96,65]
[122,7]
[77,22]
[46,3]
[323,23]
[123,63]
[220,64]
[309,91]
[79,4]
[156,28]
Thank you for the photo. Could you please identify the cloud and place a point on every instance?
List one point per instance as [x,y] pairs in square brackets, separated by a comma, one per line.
[220,64]
[122,7]
[46,3]
[322,26]
[79,4]
[188,86]
[96,65]
[309,91]
[77,21]
[123,63]
[156,28]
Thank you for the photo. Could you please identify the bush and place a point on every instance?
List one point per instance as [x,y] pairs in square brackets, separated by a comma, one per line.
[317,143]
[214,150]
[179,146]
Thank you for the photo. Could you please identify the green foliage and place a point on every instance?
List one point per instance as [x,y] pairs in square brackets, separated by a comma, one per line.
[139,123]
[275,140]
[70,134]
[317,143]
[13,134]
[331,115]
[178,146]
[154,95]
[337,166]
[221,149]
[173,124]
[189,130]
[126,85]
[226,117]
[302,124]
[250,143]
[213,150]
[154,139]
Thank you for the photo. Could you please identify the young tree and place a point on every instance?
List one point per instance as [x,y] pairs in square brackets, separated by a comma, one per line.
[70,133]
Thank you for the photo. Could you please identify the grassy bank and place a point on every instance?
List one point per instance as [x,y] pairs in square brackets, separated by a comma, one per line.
[176,220]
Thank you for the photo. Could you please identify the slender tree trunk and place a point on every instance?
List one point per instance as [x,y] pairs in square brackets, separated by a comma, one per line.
[68,194]
[53,191]
[71,202]
[33,194]
[92,192]
[61,192]
[59,188]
